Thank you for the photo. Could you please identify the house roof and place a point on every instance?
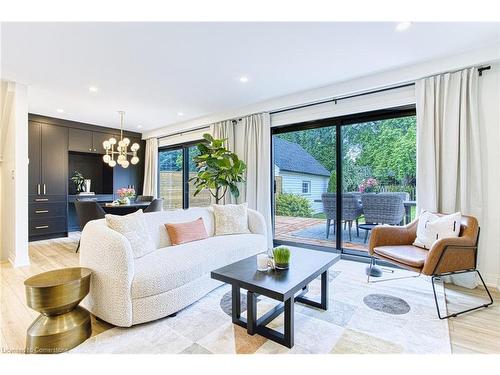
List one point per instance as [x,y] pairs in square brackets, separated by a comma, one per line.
[289,156]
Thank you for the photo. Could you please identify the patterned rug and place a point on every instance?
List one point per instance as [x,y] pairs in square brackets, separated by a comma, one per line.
[396,316]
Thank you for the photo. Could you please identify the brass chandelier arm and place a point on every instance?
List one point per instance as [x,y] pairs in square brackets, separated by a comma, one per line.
[121,149]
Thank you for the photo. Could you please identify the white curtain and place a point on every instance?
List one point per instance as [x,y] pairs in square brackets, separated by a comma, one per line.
[250,139]
[151,168]
[253,145]
[448,151]
[224,130]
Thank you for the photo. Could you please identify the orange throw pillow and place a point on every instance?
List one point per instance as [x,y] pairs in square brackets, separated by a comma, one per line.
[190,231]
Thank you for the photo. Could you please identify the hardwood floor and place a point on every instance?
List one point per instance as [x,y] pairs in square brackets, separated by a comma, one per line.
[477,332]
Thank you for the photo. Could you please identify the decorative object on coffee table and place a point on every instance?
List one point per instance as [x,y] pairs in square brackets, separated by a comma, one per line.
[262,262]
[281,257]
[286,287]
[62,324]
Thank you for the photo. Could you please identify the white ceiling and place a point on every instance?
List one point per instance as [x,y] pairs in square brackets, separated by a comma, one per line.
[155,70]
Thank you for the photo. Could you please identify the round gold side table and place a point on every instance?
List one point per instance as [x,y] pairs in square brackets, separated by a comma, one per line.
[62,324]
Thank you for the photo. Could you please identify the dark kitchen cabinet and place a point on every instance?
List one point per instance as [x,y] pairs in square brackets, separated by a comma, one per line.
[87,141]
[80,140]
[34,157]
[47,179]
[56,148]
[98,138]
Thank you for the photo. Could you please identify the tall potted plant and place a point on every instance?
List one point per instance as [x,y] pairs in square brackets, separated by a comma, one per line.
[219,169]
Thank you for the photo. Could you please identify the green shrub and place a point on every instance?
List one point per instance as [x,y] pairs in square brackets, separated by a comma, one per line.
[293,205]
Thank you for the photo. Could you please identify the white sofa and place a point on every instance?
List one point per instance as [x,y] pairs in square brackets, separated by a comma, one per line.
[125,291]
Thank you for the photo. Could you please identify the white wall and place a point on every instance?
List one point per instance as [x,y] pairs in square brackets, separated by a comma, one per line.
[292,184]
[489,120]
[14,174]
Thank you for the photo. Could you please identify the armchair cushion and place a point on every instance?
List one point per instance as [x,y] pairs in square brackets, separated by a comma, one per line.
[432,227]
[407,254]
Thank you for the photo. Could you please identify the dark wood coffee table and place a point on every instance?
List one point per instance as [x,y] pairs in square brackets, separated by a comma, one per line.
[286,286]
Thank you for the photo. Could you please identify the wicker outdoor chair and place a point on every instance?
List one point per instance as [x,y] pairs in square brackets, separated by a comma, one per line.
[382,208]
[351,211]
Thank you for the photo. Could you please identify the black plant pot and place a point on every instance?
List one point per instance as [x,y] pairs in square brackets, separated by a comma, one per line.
[282,266]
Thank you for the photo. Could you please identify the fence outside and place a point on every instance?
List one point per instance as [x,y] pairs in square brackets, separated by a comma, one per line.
[171,191]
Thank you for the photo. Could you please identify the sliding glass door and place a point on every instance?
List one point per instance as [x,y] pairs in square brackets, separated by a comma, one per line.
[175,167]
[170,178]
[378,177]
[360,169]
[305,186]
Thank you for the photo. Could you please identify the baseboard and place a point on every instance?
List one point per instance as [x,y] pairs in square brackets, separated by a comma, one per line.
[492,281]
[15,264]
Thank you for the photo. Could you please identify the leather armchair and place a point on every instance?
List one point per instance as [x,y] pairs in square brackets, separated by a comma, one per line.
[447,256]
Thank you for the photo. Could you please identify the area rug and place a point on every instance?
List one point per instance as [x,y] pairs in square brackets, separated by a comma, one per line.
[397,316]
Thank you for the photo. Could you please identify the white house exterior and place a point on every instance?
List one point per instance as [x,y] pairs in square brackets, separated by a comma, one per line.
[300,172]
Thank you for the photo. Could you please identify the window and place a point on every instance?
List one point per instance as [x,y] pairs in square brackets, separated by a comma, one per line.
[306,187]
[347,159]
[175,168]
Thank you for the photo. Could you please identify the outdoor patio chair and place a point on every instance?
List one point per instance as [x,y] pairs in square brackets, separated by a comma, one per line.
[382,208]
[351,211]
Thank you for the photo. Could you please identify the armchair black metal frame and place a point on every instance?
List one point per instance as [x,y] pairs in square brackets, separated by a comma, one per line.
[435,277]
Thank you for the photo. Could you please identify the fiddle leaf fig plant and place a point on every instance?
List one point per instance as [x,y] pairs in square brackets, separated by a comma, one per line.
[219,169]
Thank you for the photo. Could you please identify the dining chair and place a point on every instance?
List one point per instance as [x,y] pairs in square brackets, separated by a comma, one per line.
[351,211]
[87,210]
[382,208]
[155,205]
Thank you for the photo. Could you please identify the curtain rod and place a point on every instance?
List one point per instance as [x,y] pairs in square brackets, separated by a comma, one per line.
[335,99]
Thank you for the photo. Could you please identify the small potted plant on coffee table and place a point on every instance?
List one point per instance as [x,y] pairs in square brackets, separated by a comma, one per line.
[281,257]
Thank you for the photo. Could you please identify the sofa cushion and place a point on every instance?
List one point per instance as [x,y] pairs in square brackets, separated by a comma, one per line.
[231,219]
[133,226]
[156,222]
[407,254]
[171,267]
[190,231]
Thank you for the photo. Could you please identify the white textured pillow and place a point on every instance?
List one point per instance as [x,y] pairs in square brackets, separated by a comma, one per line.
[432,227]
[133,227]
[230,219]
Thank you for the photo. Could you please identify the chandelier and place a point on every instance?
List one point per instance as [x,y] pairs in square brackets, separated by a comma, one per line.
[121,151]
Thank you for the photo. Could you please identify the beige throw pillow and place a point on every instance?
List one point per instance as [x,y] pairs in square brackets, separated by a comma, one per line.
[432,227]
[230,219]
[133,227]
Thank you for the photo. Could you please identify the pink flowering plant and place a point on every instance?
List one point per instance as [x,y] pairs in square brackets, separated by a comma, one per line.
[126,193]
[368,185]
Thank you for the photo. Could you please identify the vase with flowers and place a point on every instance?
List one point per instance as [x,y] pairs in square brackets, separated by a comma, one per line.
[368,185]
[125,195]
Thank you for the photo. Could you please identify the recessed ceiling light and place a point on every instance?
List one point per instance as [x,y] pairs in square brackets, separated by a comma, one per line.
[243,79]
[93,89]
[402,26]
[139,126]
[60,110]
[180,114]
